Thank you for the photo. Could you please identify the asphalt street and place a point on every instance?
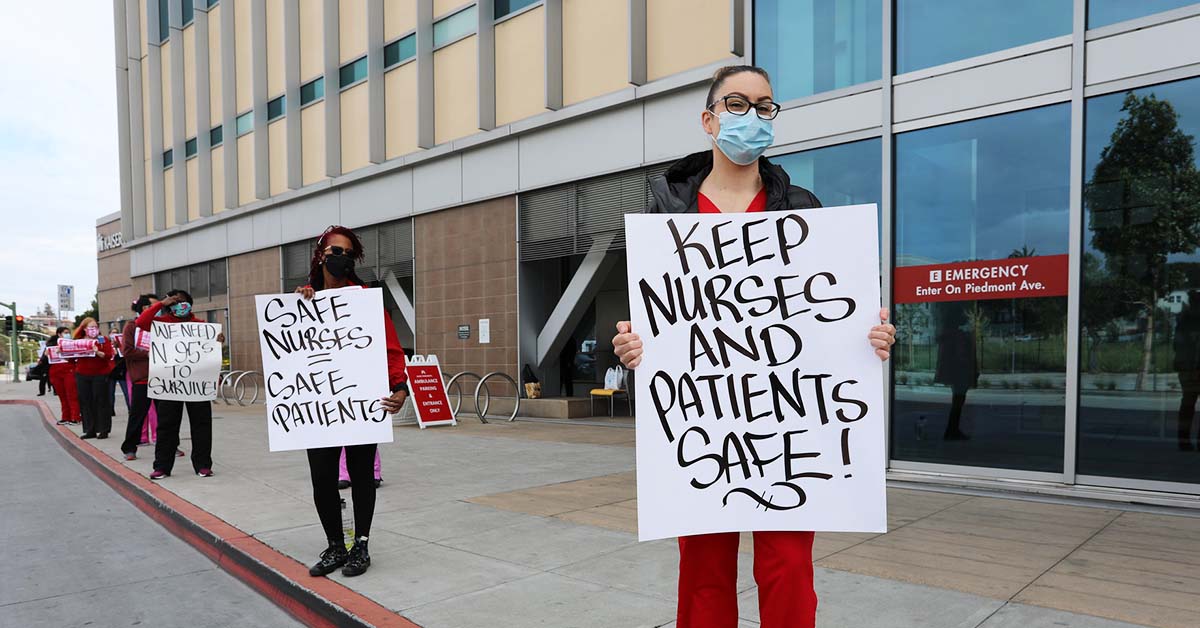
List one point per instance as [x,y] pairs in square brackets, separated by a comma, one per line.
[74,553]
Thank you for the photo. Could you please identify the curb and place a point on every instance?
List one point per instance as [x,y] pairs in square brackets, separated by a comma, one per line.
[320,603]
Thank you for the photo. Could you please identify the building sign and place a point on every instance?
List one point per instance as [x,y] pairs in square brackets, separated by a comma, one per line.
[109,242]
[1009,278]
[66,298]
[464,332]
[428,391]
[759,399]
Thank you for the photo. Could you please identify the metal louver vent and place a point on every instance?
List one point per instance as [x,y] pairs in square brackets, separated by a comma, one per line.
[564,220]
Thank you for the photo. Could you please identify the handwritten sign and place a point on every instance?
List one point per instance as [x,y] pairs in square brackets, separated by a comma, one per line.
[428,391]
[759,398]
[325,365]
[185,360]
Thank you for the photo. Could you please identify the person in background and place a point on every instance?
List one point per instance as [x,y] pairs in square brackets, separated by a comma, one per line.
[116,377]
[178,306]
[41,370]
[332,267]
[734,177]
[91,380]
[344,474]
[62,378]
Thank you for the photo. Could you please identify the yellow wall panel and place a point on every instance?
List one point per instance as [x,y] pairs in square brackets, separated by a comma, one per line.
[277,155]
[685,34]
[400,110]
[595,48]
[312,143]
[455,92]
[520,66]
[149,199]
[355,144]
[244,57]
[218,179]
[399,17]
[215,112]
[189,81]
[312,39]
[169,195]
[168,132]
[442,7]
[193,188]
[352,29]
[275,64]
[245,183]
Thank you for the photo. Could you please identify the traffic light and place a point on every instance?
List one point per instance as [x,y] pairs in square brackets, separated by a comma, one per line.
[20,323]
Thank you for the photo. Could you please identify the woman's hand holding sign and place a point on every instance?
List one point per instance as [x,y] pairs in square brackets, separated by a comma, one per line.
[395,402]
[628,346]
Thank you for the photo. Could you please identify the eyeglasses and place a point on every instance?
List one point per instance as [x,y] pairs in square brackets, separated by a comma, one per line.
[739,106]
[337,250]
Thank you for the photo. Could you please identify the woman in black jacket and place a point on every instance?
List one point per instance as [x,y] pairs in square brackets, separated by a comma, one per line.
[734,177]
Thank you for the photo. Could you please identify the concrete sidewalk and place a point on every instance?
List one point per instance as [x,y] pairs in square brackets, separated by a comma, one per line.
[531,524]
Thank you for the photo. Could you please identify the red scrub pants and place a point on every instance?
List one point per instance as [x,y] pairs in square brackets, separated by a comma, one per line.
[783,569]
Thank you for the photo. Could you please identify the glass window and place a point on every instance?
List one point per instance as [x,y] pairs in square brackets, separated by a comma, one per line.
[276,108]
[504,7]
[933,32]
[164,20]
[199,281]
[168,158]
[813,47]
[451,28]
[1140,309]
[981,381]
[218,283]
[1105,12]
[245,123]
[215,136]
[352,72]
[400,50]
[312,91]
[846,174]
[179,280]
[213,3]
[189,148]
[188,11]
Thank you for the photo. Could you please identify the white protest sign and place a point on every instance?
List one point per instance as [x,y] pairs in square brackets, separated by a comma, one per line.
[326,370]
[185,360]
[759,397]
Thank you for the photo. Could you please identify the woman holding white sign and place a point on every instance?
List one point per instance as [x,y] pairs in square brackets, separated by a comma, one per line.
[332,268]
[178,306]
[734,177]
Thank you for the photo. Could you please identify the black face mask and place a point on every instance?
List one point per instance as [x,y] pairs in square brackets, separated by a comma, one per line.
[339,266]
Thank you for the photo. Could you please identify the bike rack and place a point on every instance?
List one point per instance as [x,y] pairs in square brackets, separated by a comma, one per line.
[454,383]
[232,381]
[481,387]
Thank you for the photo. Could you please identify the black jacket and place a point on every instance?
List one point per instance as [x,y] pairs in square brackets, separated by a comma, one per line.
[676,191]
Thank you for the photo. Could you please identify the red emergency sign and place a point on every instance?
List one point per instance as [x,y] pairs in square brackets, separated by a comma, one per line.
[1009,278]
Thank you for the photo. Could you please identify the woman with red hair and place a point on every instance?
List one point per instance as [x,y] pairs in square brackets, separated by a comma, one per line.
[332,267]
[91,379]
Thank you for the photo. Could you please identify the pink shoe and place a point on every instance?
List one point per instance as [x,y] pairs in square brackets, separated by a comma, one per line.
[131,456]
[205,473]
[158,475]
[179,453]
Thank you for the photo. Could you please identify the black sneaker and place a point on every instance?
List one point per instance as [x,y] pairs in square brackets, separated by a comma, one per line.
[333,557]
[378,482]
[358,560]
[343,485]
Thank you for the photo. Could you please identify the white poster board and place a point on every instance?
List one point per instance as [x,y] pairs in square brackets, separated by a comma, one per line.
[325,366]
[185,361]
[759,397]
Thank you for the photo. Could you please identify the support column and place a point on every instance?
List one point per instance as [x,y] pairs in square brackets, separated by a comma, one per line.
[485,73]
[886,209]
[122,75]
[291,56]
[377,143]
[137,127]
[178,115]
[333,90]
[262,144]
[554,54]
[425,128]
[637,42]
[229,105]
[203,113]
[1075,242]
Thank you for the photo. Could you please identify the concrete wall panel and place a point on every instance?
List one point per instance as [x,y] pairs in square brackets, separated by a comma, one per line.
[673,125]
[605,142]
[309,216]
[379,199]
[437,183]
[1161,47]
[830,117]
[490,170]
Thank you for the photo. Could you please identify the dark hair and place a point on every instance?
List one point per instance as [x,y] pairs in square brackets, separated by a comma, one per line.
[720,75]
[53,340]
[183,293]
[316,277]
[143,302]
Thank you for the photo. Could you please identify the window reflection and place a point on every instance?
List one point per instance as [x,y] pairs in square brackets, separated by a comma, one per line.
[980,381]
[813,47]
[1140,310]
[933,32]
[1105,12]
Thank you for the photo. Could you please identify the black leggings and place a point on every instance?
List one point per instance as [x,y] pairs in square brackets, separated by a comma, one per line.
[323,466]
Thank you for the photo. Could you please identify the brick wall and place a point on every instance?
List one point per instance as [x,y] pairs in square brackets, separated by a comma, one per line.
[249,274]
[466,269]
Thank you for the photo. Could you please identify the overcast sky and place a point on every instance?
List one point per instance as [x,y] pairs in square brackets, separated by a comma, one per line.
[58,146]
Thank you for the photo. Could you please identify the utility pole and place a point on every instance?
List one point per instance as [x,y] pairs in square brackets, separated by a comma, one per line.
[12,341]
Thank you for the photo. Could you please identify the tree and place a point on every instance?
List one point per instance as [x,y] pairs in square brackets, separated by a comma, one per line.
[92,311]
[47,310]
[1144,205]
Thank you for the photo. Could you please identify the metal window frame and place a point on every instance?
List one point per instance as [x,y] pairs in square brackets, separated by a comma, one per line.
[526,9]
[237,118]
[355,82]
[396,40]
[282,100]
[314,100]
[221,141]
[445,16]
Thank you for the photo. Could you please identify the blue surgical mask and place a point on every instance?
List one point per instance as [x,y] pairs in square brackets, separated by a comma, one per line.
[744,139]
[181,310]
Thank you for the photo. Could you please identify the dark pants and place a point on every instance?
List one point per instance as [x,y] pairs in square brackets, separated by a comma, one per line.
[112,394]
[42,384]
[170,416]
[138,409]
[323,466]
[93,403]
